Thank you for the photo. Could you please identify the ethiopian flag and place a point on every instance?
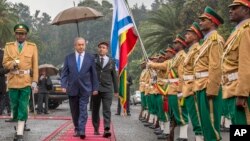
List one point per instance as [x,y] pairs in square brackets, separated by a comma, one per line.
[123,40]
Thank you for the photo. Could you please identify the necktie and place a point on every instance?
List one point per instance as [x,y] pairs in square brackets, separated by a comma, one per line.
[102,61]
[20,47]
[79,62]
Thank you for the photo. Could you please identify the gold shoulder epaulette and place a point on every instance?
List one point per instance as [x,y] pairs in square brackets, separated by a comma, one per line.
[30,43]
[214,37]
[246,25]
[10,43]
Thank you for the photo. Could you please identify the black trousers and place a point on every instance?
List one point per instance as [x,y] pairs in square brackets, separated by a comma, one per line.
[106,99]
[43,97]
[79,112]
[4,102]
[128,104]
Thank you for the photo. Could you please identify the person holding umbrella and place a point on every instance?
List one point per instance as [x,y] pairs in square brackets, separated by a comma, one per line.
[20,57]
[45,85]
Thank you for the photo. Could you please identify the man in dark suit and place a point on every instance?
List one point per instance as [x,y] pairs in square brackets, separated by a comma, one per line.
[43,95]
[79,80]
[106,72]
[129,83]
[3,95]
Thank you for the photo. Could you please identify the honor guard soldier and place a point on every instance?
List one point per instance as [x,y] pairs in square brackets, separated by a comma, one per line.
[207,67]
[152,91]
[236,70]
[175,99]
[193,36]
[143,114]
[20,57]
[163,87]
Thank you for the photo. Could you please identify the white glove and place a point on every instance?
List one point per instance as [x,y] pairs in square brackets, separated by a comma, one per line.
[33,85]
[179,95]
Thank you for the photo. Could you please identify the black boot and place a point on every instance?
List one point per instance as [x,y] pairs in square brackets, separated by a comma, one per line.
[18,138]
[26,128]
[158,132]
[181,139]
[9,120]
[148,124]
[163,136]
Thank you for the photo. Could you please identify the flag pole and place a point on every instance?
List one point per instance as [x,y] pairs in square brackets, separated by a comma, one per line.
[136,29]
[152,72]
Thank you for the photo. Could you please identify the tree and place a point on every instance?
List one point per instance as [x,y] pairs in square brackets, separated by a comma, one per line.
[8,19]
[160,28]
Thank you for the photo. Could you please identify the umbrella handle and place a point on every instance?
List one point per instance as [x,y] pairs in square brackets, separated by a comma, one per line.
[77,29]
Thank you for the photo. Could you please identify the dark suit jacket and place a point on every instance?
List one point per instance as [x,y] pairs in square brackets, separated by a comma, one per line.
[3,71]
[107,76]
[83,82]
[42,85]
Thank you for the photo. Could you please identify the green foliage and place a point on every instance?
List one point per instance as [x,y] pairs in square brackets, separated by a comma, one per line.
[7,22]
[157,27]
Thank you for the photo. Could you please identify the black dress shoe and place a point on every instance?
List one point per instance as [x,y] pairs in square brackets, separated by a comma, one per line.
[106,134]
[158,129]
[82,136]
[97,133]
[76,134]
[117,114]
[148,124]
[9,120]
[181,139]
[26,128]
[224,129]
[128,114]
[141,118]
[158,132]
[163,136]
[152,126]
[18,138]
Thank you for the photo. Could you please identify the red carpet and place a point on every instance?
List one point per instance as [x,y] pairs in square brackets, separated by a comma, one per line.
[65,133]
[38,117]
[66,130]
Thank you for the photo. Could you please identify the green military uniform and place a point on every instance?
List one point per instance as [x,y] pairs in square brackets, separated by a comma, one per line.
[163,86]
[176,105]
[188,78]
[152,106]
[236,70]
[143,88]
[207,67]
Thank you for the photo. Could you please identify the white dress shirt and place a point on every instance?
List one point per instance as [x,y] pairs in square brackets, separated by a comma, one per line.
[105,60]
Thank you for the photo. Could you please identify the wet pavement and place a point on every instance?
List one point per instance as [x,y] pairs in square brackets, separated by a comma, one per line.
[126,128]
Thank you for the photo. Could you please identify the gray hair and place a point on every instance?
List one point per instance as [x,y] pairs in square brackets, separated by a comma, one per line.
[78,38]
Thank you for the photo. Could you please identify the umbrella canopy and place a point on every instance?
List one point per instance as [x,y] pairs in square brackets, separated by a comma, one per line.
[76,15]
[49,68]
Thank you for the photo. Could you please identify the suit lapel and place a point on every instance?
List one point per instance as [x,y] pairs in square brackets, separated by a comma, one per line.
[73,60]
[108,64]
[98,62]
[84,61]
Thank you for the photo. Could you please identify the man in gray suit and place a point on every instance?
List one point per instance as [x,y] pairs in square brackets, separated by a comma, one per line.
[107,76]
